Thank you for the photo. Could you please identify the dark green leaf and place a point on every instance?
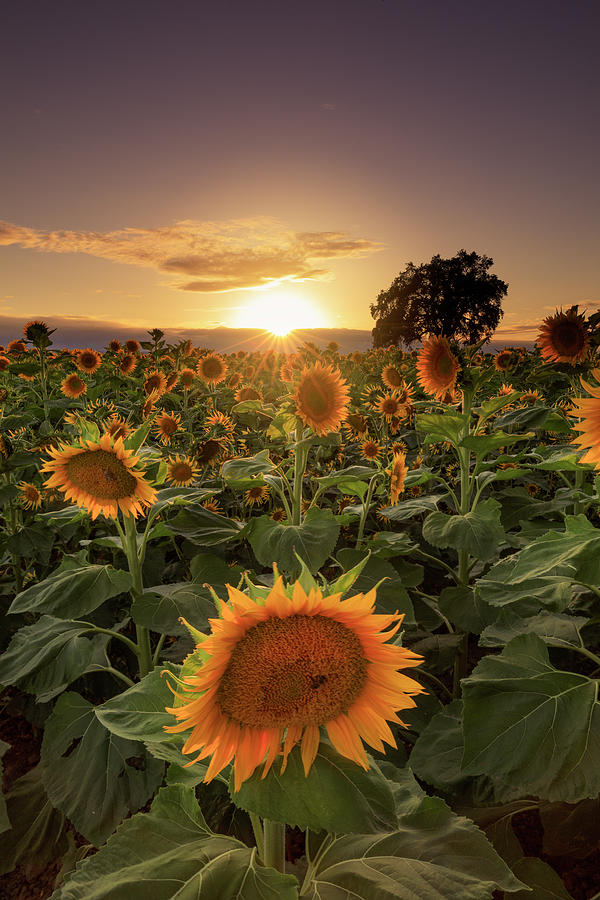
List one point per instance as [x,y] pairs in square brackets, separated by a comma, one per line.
[313,540]
[138,714]
[73,591]
[478,532]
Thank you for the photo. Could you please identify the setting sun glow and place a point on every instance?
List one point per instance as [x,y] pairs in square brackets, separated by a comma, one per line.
[280,312]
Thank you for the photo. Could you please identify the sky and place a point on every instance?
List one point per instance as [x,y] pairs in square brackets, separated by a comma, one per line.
[251,162]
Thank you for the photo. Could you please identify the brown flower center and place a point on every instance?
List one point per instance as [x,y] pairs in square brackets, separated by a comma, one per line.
[568,338]
[211,367]
[303,670]
[101,475]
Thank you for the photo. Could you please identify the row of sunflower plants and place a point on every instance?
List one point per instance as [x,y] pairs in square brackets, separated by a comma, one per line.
[217,571]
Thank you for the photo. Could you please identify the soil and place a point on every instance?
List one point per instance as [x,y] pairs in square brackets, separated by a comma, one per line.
[580,876]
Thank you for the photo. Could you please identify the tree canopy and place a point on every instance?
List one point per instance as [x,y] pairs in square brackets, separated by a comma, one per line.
[457,298]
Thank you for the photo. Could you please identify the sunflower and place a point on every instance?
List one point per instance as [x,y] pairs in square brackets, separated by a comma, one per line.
[246,393]
[563,337]
[505,390]
[212,506]
[73,386]
[389,406]
[356,423]
[587,409]
[220,422]
[132,346]
[187,378]
[212,368]
[437,367]
[208,452]
[503,360]
[101,408]
[118,427]
[166,425]
[172,380]
[249,372]
[181,470]
[100,477]
[278,514]
[127,364]
[256,495]
[322,398]
[391,377]
[155,382]
[4,363]
[371,449]
[234,380]
[114,345]
[397,473]
[149,404]
[17,347]
[31,496]
[286,373]
[88,361]
[530,397]
[276,670]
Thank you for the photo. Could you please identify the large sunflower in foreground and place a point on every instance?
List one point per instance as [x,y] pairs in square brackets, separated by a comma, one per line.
[563,337]
[100,477]
[437,367]
[278,669]
[322,398]
[588,409]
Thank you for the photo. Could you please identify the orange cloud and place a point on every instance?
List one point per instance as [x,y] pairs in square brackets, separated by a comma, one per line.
[210,257]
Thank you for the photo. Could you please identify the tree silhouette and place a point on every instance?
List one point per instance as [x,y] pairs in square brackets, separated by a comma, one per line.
[455,297]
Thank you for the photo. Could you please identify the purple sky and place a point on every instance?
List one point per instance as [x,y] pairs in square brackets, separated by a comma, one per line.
[190,164]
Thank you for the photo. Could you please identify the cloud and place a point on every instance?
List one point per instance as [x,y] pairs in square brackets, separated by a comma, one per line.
[209,257]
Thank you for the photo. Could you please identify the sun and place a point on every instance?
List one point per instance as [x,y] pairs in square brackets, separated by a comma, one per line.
[280,312]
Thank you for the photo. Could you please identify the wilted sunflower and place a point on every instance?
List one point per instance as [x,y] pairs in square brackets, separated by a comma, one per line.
[181,470]
[278,669]
[165,426]
[172,380]
[101,408]
[155,381]
[31,496]
[73,386]
[212,368]
[100,477]
[88,360]
[437,367]
[563,337]
[149,404]
[322,398]
[391,377]
[234,380]
[397,473]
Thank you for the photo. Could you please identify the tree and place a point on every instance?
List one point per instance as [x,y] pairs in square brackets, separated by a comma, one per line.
[455,297]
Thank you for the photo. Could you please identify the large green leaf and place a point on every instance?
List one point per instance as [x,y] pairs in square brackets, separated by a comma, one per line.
[337,795]
[162,606]
[442,426]
[170,852]
[462,607]
[392,596]
[485,443]
[408,509]
[543,881]
[138,714]
[203,527]
[437,754]
[44,658]
[433,854]
[73,591]
[94,777]
[555,629]
[313,541]
[247,467]
[37,836]
[530,722]
[478,532]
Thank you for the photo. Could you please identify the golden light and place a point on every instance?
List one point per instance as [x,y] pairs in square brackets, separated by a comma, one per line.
[280,312]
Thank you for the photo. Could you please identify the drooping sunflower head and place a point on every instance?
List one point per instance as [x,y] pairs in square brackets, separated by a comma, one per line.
[4,363]
[246,393]
[398,472]
[530,397]
[356,423]
[503,360]
[127,363]
[156,381]
[73,386]
[277,669]
[505,390]
[88,360]
[322,398]
[181,470]
[212,368]
[220,425]
[208,452]
[100,477]
[17,347]
[118,427]
[563,337]
[391,377]
[437,367]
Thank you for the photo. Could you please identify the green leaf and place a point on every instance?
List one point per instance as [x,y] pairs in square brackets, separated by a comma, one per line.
[236,469]
[161,607]
[138,714]
[44,658]
[313,540]
[73,591]
[462,607]
[481,444]
[180,771]
[555,629]
[337,795]
[530,722]
[437,754]
[407,509]
[37,836]
[170,852]
[478,532]
[442,426]
[4,819]
[92,776]
[392,596]
[433,854]
[544,882]
[203,527]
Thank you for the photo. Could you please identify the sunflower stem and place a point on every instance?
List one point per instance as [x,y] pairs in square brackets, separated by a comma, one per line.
[301,456]
[135,568]
[258,834]
[274,846]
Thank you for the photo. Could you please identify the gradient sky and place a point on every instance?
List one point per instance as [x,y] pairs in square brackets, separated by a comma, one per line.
[162,163]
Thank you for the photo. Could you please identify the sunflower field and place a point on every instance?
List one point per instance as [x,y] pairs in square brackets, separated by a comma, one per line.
[300,625]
